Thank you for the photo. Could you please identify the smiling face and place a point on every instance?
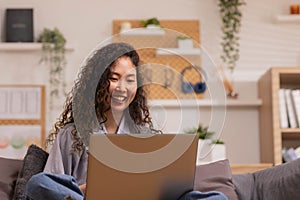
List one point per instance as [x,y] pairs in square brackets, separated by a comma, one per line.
[123,84]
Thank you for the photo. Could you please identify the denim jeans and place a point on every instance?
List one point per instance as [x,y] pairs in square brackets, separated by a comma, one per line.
[52,187]
[59,186]
[195,195]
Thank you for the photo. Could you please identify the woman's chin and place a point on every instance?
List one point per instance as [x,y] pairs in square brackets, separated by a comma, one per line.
[118,106]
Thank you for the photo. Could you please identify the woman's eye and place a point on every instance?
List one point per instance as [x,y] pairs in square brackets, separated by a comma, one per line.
[130,80]
[113,79]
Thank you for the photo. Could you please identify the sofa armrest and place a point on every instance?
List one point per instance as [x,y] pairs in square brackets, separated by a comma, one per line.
[9,169]
[276,183]
[279,182]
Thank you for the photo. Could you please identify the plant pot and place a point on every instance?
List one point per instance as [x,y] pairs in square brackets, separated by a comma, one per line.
[185,43]
[208,152]
[153,26]
[218,152]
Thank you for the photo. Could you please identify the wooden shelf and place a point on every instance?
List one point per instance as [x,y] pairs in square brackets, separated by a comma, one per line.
[272,137]
[290,130]
[288,18]
[24,46]
[178,51]
[290,133]
[143,31]
[205,103]
[249,168]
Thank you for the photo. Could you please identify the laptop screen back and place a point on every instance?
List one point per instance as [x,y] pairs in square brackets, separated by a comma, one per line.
[148,167]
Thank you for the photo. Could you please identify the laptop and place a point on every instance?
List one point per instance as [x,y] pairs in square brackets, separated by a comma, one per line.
[141,167]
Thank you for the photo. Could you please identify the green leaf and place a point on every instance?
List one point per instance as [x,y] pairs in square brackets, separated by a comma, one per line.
[153,20]
[231,22]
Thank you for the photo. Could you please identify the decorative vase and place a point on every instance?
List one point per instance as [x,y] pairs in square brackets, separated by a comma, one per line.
[228,81]
[185,43]
[209,152]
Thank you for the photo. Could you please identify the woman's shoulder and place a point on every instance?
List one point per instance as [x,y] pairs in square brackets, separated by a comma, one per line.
[65,133]
[67,137]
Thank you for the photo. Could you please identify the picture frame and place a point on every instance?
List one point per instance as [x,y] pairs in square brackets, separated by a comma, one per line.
[22,119]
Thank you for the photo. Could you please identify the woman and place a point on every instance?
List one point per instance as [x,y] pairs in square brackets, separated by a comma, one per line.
[108,97]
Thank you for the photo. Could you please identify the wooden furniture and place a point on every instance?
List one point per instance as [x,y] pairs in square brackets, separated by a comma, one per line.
[272,136]
[24,46]
[163,60]
[22,118]
[249,168]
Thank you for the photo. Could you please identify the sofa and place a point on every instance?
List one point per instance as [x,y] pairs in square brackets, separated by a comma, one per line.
[275,183]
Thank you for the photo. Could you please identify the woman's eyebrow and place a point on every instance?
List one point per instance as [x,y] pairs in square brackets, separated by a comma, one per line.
[131,75]
[115,73]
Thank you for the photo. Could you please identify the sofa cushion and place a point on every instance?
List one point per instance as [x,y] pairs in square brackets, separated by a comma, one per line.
[215,176]
[9,169]
[279,182]
[33,163]
[244,185]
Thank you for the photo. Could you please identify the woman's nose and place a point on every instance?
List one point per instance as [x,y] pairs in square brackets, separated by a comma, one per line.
[121,86]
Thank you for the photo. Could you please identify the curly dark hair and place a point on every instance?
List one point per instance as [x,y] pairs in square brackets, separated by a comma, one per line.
[87,103]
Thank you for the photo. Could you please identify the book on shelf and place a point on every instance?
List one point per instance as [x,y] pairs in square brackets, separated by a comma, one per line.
[19,25]
[296,102]
[282,109]
[297,152]
[289,154]
[290,106]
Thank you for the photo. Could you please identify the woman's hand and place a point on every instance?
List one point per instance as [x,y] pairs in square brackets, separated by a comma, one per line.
[82,187]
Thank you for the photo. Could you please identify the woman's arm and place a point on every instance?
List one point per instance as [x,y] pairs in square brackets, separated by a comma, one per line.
[62,158]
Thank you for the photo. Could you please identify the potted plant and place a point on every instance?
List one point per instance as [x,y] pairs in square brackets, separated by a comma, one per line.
[209,149]
[201,131]
[231,16]
[151,23]
[53,54]
[184,42]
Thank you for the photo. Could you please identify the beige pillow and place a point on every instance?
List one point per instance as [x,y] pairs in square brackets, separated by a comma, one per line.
[215,176]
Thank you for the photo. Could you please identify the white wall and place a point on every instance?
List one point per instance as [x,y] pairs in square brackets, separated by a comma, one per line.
[86,23]
[264,42]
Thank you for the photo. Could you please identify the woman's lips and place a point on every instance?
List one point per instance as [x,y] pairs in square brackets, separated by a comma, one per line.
[119,98]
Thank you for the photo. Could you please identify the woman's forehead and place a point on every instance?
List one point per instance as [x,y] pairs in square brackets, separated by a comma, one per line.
[123,65]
